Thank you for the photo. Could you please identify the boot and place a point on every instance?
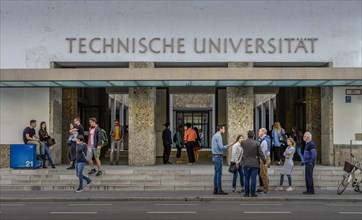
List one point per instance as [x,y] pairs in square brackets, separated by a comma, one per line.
[44,165]
[53,166]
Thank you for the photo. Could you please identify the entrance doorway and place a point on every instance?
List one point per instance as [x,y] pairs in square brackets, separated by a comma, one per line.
[198,119]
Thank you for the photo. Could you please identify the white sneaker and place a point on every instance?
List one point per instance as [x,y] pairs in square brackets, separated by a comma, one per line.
[290,189]
[279,188]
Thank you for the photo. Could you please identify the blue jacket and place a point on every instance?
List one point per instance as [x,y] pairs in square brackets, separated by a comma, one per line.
[310,152]
[268,141]
[276,136]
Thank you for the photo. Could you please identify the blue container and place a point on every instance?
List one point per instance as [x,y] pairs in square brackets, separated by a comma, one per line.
[23,156]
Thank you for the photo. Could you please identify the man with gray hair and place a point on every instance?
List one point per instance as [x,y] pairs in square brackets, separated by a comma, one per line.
[310,156]
[265,145]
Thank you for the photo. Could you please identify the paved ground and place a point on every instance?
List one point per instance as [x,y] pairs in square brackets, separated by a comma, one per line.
[46,196]
[230,210]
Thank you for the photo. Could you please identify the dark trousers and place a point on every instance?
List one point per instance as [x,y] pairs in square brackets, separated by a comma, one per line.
[190,151]
[72,151]
[166,153]
[276,153]
[250,174]
[309,167]
[178,153]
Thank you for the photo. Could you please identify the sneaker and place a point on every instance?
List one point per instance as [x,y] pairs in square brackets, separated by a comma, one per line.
[233,190]
[89,183]
[241,189]
[92,171]
[259,190]
[72,167]
[254,195]
[264,193]
[290,189]
[99,173]
[79,190]
[111,163]
[246,195]
[279,188]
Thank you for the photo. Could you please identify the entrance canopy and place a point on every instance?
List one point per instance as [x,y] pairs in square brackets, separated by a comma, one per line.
[188,76]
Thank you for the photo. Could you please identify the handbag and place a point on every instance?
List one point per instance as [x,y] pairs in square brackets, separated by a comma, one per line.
[232,167]
[51,142]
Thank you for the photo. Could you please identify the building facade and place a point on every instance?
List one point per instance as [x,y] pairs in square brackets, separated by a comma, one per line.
[240,63]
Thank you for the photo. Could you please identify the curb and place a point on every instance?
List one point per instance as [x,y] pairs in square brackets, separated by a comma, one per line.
[192,198]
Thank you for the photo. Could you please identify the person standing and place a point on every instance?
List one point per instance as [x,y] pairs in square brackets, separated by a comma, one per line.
[217,149]
[277,136]
[179,143]
[81,150]
[95,145]
[250,161]
[197,147]
[72,144]
[190,137]
[236,155]
[167,142]
[297,136]
[310,156]
[43,137]
[117,138]
[30,137]
[265,145]
[288,165]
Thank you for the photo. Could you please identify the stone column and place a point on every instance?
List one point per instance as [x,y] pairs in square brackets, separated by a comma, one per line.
[313,116]
[69,111]
[239,113]
[141,120]
[142,138]
[327,126]
[55,125]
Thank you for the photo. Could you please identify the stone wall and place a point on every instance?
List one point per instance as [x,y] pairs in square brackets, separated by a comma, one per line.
[142,138]
[192,100]
[341,153]
[4,155]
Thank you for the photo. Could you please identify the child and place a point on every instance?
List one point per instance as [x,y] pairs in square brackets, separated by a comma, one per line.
[288,165]
[81,159]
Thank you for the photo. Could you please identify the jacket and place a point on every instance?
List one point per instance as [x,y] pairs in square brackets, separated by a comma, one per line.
[237,153]
[166,137]
[81,151]
[252,153]
[120,132]
[310,152]
[97,135]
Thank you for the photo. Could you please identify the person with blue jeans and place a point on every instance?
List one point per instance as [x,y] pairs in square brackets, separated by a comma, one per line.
[236,155]
[297,136]
[250,161]
[310,156]
[81,151]
[43,137]
[217,157]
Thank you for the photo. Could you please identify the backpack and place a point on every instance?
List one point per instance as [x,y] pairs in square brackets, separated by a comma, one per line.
[174,138]
[104,138]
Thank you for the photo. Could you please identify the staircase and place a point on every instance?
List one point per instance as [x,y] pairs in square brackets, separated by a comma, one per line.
[154,178]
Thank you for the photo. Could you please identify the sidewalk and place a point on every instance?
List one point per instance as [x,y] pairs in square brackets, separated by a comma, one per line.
[64,196]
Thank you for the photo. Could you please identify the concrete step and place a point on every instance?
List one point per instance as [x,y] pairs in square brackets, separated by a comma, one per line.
[174,177]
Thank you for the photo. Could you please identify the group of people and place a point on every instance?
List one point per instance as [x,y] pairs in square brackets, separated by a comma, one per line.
[40,141]
[189,138]
[252,158]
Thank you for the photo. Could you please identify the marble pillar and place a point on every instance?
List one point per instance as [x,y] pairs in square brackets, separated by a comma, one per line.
[327,138]
[239,112]
[55,123]
[142,138]
[69,111]
[313,116]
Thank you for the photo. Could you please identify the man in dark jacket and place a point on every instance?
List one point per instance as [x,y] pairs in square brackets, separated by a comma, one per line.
[310,156]
[81,151]
[167,141]
[250,161]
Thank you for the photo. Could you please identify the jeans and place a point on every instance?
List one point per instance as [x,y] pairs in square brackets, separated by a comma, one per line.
[250,176]
[282,180]
[240,171]
[178,154]
[299,151]
[309,167]
[113,146]
[47,153]
[218,162]
[79,167]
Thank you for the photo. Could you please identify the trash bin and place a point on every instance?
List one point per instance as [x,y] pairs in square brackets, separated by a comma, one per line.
[23,156]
